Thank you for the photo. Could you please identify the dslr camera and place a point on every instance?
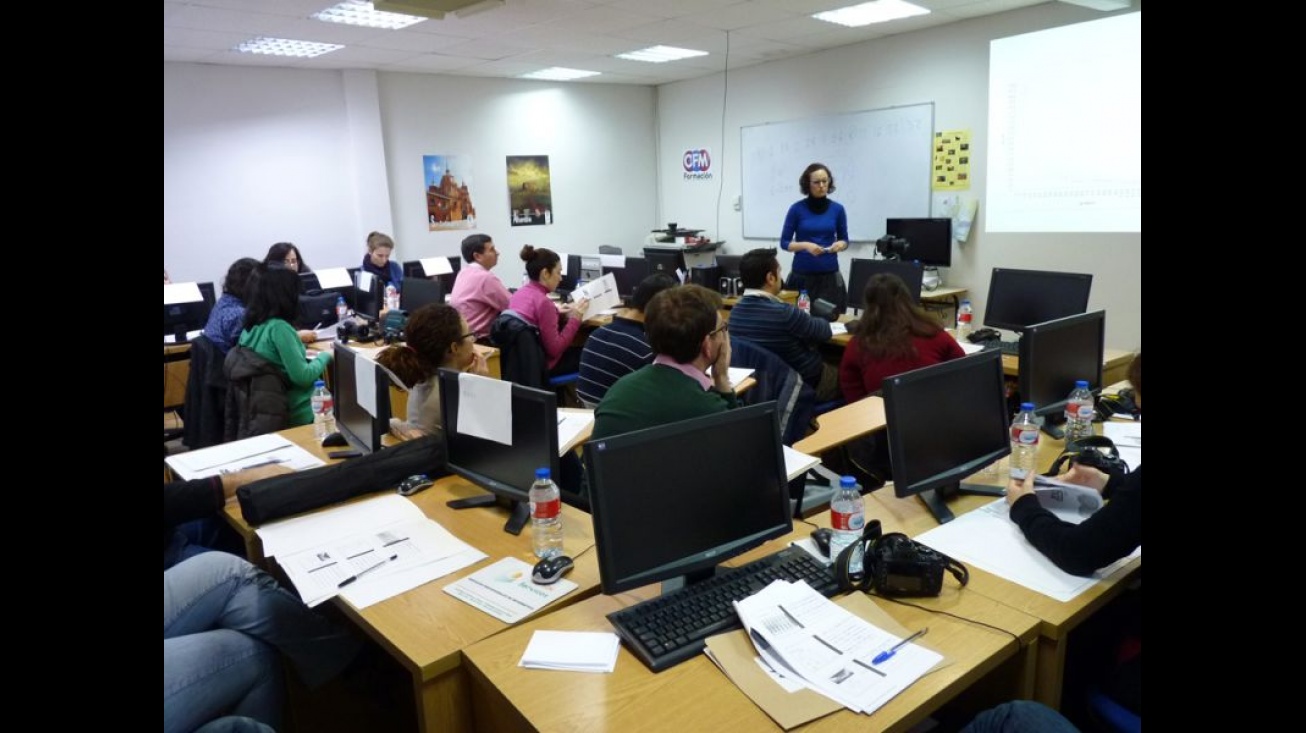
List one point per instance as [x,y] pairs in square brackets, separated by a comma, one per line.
[895,565]
[892,247]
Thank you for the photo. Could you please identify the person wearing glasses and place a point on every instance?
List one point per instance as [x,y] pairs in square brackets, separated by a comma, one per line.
[688,336]
[437,336]
[287,255]
[816,231]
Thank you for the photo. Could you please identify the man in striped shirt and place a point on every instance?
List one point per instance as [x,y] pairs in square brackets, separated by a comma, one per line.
[620,347]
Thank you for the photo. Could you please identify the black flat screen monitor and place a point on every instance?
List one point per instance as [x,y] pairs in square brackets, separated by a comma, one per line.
[675,500]
[317,305]
[629,277]
[944,423]
[569,278]
[368,295]
[1020,298]
[929,240]
[414,269]
[860,272]
[1053,355]
[506,471]
[182,318]
[418,291]
[729,264]
[361,428]
[661,259]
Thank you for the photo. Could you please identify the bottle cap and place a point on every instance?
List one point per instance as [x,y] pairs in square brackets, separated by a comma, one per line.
[542,473]
[1081,384]
[319,383]
[847,482]
[1027,407]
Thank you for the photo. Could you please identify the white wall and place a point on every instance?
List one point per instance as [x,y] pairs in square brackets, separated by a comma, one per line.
[947,66]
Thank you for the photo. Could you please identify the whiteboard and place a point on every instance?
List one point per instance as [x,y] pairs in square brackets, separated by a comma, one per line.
[880,159]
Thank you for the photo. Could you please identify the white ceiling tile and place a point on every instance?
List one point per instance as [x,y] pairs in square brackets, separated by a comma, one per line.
[190,38]
[435,62]
[486,49]
[672,8]
[734,17]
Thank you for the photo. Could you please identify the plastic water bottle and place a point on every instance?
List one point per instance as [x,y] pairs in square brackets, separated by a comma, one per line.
[847,518]
[342,309]
[804,302]
[1079,412]
[1024,442]
[391,296]
[324,419]
[546,515]
[965,315]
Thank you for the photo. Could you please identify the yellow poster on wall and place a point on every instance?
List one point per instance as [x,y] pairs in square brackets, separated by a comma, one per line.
[951,161]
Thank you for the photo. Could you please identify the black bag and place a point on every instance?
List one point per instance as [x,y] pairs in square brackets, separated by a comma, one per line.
[281,496]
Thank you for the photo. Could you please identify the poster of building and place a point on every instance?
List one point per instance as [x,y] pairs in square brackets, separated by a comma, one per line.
[448,201]
[951,161]
[530,196]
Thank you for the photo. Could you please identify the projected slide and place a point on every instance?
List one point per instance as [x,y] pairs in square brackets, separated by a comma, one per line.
[1065,129]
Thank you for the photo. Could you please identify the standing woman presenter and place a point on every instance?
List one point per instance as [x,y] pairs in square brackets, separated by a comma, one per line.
[816,230]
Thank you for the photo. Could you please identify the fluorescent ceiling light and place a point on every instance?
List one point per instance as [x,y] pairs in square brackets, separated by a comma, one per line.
[286,47]
[558,73]
[1103,5]
[661,54]
[361,12]
[856,16]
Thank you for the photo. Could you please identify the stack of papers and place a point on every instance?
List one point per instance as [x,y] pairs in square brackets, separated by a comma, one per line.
[576,651]
[505,591]
[260,450]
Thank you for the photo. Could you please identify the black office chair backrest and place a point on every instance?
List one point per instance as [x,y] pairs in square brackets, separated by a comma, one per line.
[778,381]
[522,354]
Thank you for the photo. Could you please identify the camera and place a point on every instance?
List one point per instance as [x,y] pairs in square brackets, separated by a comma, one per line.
[902,567]
[352,331]
[892,247]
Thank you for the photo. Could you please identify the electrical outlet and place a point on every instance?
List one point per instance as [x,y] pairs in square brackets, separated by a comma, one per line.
[739,203]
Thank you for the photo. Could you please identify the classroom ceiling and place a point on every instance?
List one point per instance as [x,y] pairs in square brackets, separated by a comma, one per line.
[514,37]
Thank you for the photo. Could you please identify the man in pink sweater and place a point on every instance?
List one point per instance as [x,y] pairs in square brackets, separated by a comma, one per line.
[479,294]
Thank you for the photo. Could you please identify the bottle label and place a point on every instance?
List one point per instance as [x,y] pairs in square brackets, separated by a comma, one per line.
[546,509]
[1086,411]
[851,521]
[963,318]
[1024,434]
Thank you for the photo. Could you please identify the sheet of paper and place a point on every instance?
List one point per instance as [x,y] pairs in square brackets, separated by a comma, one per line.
[403,580]
[838,329]
[987,538]
[333,277]
[577,651]
[327,333]
[365,386]
[570,425]
[174,293]
[436,266]
[171,338]
[737,375]
[504,590]
[240,454]
[970,348]
[1071,502]
[797,462]
[365,279]
[602,293]
[613,261]
[563,257]
[485,408]
[298,534]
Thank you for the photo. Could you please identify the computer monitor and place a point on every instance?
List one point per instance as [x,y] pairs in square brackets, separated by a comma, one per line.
[418,291]
[662,259]
[671,502]
[860,272]
[368,296]
[317,304]
[629,277]
[361,428]
[571,276]
[506,471]
[1021,298]
[183,316]
[944,423]
[415,269]
[729,264]
[930,240]
[1053,355]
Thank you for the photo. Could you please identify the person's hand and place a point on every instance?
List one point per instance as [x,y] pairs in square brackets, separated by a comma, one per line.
[404,431]
[721,368]
[838,246]
[815,249]
[307,337]
[478,365]
[233,481]
[579,307]
[1017,489]
[1085,476]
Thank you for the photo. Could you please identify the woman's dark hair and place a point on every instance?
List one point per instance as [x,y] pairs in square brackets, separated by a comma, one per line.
[238,277]
[538,260]
[650,286]
[805,180]
[430,333]
[272,292]
[277,253]
[890,318]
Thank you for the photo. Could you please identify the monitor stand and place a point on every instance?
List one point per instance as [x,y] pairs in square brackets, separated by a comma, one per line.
[681,581]
[935,499]
[520,511]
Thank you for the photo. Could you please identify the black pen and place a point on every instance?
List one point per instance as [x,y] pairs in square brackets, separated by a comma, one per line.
[886,654]
[365,571]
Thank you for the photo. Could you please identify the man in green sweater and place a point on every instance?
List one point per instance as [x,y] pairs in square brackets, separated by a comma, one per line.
[688,335]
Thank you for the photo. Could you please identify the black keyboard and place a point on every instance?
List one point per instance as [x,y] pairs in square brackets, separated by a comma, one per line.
[1006,347]
[671,628]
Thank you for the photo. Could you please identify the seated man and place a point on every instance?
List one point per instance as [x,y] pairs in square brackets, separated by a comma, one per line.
[479,294]
[620,347]
[761,317]
[688,335]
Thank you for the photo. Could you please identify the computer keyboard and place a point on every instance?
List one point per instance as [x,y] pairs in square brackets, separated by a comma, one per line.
[671,628]
[1006,347]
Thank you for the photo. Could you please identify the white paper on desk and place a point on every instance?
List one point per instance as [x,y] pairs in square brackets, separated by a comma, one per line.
[326,333]
[260,449]
[484,408]
[737,375]
[176,293]
[171,338]
[297,534]
[969,348]
[333,277]
[797,462]
[1128,437]
[613,261]
[403,580]
[575,651]
[570,425]
[987,538]
[602,293]
[436,266]
[505,591]
[838,329]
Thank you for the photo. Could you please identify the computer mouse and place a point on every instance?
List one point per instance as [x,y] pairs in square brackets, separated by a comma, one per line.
[822,537]
[414,484]
[334,440]
[548,570]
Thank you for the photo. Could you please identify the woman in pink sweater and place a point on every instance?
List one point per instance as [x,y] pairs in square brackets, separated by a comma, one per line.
[531,301]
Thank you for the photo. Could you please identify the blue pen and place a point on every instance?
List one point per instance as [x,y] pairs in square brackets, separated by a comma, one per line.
[887,654]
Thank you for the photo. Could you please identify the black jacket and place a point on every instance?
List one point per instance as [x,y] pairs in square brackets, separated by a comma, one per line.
[522,360]
[206,395]
[256,395]
[1079,549]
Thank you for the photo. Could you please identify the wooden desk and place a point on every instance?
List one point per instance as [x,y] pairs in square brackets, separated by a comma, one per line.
[1057,619]
[176,372]
[788,296]
[844,424]
[695,695]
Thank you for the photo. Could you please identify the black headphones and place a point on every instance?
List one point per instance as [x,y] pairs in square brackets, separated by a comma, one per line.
[895,565]
[1094,451]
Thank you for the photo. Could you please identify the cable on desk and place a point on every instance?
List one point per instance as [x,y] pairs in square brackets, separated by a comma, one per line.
[947,613]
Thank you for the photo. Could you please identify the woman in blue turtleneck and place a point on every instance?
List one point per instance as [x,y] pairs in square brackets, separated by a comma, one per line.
[377,260]
[816,230]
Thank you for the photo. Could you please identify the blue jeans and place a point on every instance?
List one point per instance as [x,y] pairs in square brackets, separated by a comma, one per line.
[1020,716]
[224,622]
